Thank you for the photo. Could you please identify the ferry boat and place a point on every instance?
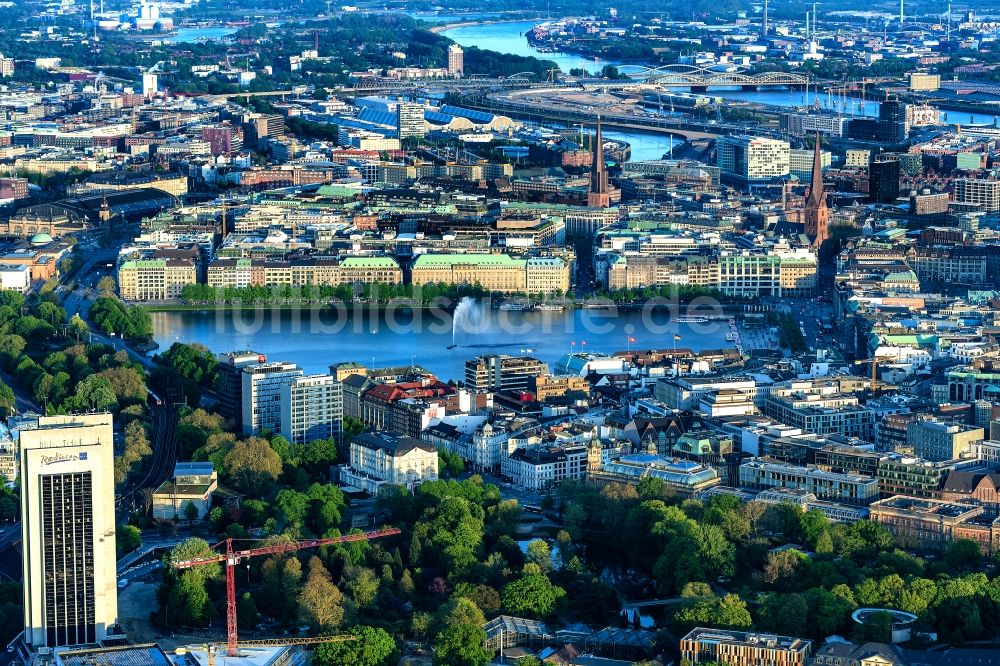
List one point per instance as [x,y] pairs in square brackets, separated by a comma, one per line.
[549,307]
[730,337]
[511,307]
[686,319]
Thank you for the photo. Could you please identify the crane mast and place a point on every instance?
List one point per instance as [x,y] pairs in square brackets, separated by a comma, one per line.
[230,558]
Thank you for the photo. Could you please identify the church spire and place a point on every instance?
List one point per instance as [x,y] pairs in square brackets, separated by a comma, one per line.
[817,215]
[816,194]
[600,192]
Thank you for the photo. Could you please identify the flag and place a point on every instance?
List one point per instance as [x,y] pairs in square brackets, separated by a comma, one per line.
[584,343]
[572,343]
[631,339]
[677,336]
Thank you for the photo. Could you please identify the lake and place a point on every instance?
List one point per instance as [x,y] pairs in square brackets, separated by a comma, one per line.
[314,340]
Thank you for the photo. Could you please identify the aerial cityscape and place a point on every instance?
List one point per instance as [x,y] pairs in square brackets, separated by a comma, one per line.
[535,332]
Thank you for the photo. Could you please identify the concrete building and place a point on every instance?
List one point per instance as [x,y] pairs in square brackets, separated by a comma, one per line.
[541,467]
[494,272]
[747,159]
[155,279]
[722,646]
[379,459]
[924,81]
[14,277]
[937,441]
[230,387]
[456,60]
[68,530]
[193,484]
[410,119]
[312,407]
[499,372]
[261,393]
[930,523]
[979,191]
[845,488]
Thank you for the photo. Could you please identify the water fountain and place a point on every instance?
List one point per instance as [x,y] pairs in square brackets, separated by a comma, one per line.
[467,311]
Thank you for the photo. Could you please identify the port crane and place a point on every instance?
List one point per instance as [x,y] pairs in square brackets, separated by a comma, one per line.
[230,558]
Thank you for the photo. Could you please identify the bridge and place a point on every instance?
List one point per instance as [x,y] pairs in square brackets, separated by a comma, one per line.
[695,78]
[366,86]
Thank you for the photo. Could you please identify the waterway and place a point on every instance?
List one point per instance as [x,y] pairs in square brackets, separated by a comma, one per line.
[509,38]
[315,340]
[200,34]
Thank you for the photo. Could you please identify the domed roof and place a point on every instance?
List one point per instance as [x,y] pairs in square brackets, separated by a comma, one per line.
[41,239]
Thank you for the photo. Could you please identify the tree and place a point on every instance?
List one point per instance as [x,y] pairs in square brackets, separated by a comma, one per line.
[729,612]
[458,610]
[252,465]
[450,464]
[127,538]
[106,286]
[363,584]
[533,594]
[320,601]
[461,645]
[963,555]
[540,555]
[7,401]
[372,647]
[182,596]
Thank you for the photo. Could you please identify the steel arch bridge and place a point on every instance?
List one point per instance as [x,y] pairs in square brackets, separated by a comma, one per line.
[689,76]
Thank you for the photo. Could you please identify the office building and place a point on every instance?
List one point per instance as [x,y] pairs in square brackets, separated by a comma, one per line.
[410,119]
[924,81]
[312,407]
[380,459]
[891,126]
[230,386]
[800,163]
[747,159]
[937,441]
[499,372]
[928,523]
[846,488]
[542,467]
[261,392]
[156,279]
[68,530]
[456,60]
[883,180]
[722,646]
[979,191]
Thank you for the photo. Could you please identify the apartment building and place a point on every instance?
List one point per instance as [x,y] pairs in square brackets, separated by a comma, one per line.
[380,459]
[821,413]
[722,646]
[312,408]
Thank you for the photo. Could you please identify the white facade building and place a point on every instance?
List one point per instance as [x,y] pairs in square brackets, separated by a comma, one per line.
[312,407]
[379,459]
[68,530]
[262,395]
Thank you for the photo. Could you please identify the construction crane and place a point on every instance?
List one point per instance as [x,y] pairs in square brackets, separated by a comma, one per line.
[285,641]
[233,557]
[875,363]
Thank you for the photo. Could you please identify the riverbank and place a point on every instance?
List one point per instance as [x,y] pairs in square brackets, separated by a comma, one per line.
[438,29]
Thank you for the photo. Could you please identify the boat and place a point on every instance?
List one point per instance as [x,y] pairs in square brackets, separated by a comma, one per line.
[451,346]
[730,337]
[548,307]
[685,319]
[515,307]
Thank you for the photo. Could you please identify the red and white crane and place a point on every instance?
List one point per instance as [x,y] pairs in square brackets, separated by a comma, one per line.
[231,558]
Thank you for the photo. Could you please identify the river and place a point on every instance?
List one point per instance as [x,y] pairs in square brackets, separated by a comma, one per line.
[508,37]
[200,34]
[315,342]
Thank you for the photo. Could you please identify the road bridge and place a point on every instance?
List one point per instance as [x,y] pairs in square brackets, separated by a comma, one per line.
[695,78]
